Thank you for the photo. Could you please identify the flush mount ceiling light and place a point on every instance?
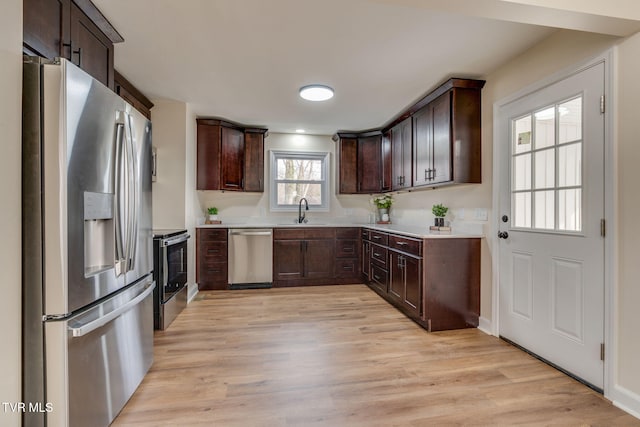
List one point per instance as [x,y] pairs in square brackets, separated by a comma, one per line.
[316,92]
[300,131]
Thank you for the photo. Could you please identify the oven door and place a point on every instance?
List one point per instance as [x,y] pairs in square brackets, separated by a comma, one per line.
[174,268]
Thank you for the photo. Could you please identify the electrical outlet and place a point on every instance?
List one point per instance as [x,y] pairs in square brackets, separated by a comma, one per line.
[481,214]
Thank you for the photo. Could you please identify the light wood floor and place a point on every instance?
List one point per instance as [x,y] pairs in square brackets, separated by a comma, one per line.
[341,356]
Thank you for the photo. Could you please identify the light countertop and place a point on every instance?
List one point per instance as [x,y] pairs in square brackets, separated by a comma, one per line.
[421,232]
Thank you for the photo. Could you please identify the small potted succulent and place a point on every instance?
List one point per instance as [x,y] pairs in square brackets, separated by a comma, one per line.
[439,211]
[213,213]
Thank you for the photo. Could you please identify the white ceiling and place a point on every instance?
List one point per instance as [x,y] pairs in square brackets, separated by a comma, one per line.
[244,60]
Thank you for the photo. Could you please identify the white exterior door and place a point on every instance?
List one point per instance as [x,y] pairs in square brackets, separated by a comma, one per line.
[551,203]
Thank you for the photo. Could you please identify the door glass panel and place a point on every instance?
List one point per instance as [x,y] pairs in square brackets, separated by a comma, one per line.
[543,164]
[570,128]
[570,209]
[522,210]
[545,210]
[522,172]
[545,128]
[522,137]
[570,165]
[545,168]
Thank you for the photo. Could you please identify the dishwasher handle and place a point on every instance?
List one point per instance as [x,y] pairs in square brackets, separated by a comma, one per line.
[250,233]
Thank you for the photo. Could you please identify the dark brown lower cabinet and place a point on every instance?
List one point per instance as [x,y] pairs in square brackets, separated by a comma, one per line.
[315,256]
[211,259]
[405,281]
[435,282]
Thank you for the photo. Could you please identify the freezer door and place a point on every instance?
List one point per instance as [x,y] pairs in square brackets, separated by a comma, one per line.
[106,351]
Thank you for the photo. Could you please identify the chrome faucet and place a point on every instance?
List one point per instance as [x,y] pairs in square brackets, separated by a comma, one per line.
[301,214]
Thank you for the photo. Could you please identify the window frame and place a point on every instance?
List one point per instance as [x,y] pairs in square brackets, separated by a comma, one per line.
[275,155]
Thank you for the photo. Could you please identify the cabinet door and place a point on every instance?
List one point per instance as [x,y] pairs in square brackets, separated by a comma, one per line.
[441,138]
[369,164]
[396,277]
[91,49]
[385,163]
[288,259]
[232,159]
[422,146]
[254,161]
[208,162]
[318,263]
[412,283]
[401,138]
[366,260]
[348,165]
[46,27]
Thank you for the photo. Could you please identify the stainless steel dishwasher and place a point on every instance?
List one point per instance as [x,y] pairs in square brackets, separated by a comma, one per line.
[250,258]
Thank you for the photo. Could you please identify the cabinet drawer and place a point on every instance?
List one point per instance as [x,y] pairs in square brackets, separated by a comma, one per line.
[214,251]
[406,244]
[379,277]
[320,233]
[365,233]
[379,238]
[215,271]
[346,248]
[346,233]
[288,234]
[347,268]
[379,255]
[213,234]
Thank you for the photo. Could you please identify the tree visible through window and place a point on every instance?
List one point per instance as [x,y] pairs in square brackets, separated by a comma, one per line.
[296,176]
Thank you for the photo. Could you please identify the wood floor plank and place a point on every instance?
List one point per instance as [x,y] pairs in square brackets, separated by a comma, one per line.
[342,356]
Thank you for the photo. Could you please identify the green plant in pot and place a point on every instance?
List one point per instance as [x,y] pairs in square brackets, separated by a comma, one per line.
[383,203]
[440,211]
[213,213]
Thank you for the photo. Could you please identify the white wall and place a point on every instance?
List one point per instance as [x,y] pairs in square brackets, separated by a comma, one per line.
[174,201]
[10,250]
[627,299]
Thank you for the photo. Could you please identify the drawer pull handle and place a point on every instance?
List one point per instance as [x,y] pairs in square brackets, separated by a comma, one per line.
[348,268]
[377,237]
[375,276]
[347,249]
[402,243]
[213,251]
[376,254]
[213,271]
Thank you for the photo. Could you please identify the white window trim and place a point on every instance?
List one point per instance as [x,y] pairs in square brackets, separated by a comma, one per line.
[273,198]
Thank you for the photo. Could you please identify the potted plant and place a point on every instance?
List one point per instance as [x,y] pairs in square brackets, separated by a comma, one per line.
[439,211]
[213,213]
[383,203]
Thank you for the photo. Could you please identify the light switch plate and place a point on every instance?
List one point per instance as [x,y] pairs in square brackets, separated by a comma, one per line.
[481,214]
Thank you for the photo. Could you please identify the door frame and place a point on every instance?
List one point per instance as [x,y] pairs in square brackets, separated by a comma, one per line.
[610,210]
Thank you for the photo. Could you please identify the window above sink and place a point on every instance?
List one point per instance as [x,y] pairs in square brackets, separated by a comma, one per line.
[296,175]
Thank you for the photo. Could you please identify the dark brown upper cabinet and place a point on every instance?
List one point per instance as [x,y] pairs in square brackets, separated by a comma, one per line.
[401,137]
[230,156]
[369,164]
[435,142]
[75,30]
[132,95]
[364,163]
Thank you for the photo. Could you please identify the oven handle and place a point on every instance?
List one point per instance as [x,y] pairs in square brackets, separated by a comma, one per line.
[250,233]
[173,240]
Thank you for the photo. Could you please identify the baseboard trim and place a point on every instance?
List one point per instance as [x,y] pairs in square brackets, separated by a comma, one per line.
[626,400]
[485,325]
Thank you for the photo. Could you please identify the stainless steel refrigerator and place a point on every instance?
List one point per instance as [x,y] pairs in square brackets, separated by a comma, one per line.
[87,247]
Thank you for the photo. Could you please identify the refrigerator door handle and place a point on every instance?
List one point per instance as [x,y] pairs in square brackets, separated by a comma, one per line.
[95,324]
[132,233]
[118,201]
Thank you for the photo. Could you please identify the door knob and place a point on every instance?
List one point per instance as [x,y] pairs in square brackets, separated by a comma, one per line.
[503,234]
